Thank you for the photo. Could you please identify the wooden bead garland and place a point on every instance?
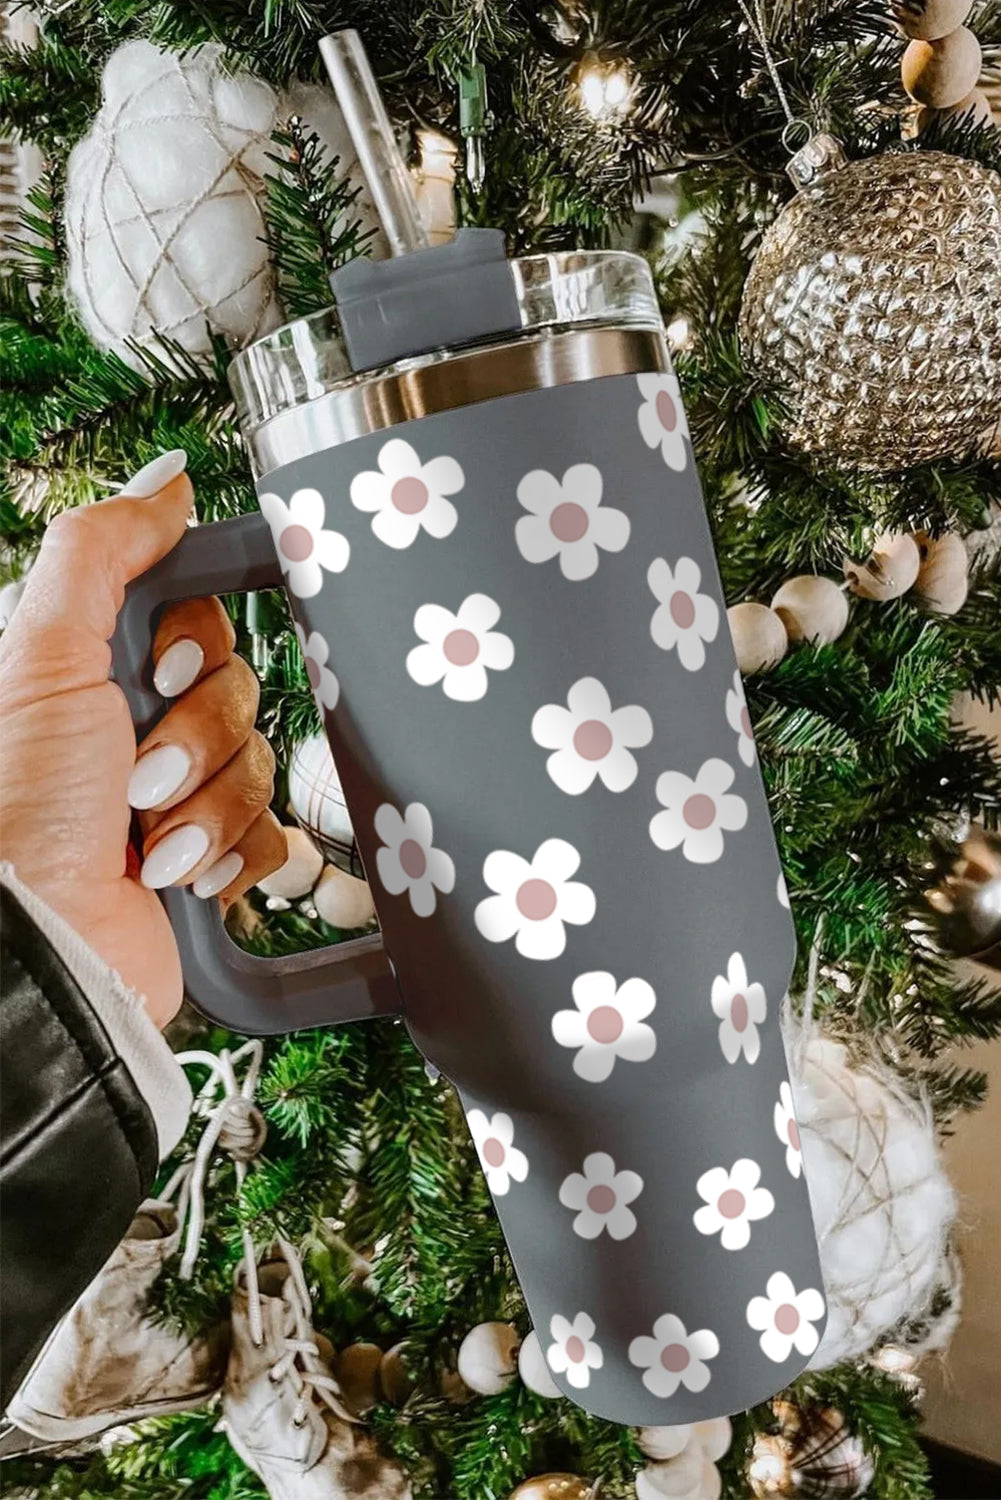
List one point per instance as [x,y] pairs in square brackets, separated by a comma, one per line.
[809,608]
[942,61]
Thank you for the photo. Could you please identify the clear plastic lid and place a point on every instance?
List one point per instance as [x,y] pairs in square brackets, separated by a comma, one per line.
[307,358]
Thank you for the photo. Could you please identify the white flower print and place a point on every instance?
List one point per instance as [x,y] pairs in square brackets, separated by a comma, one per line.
[782,891]
[459,649]
[500,1159]
[673,1357]
[573,1352]
[600,1195]
[732,1201]
[567,519]
[741,1008]
[684,619]
[304,548]
[408,860]
[696,813]
[591,739]
[662,418]
[408,496]
[787,1130]
[608,1023]
[534,899]
[326,688]
[785,1318]
[739,720]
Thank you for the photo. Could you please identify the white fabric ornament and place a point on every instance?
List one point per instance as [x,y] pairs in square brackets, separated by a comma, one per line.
[882,1204]
[317,799]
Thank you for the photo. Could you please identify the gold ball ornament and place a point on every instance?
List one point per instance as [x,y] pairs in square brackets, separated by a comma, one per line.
[357,1371]
[553,1487]
[890,569]
[759,637]
[930,19]
[942,72]
[872,308]
[812,609]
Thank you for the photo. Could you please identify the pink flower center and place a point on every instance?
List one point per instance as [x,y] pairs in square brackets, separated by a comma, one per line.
[682,607]
[493,1152]
[536,900]
[739,1013]
[745,722]
[592,740]
[667,411]
[413,859]
[792,1131]
[601,1199]
[409,495]
[296,542]
[568,522]
[460,647]
[699,811]
[604,1024]
[731,1204]
[786,1318]
[313,672]
[575,1349]
[675,1357]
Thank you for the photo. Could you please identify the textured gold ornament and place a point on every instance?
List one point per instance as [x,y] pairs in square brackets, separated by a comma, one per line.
[874,308]
[553,1487]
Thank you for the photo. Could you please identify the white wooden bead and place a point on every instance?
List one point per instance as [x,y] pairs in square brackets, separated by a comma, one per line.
[929,19]
[533,1369]
[663,1442]
[941,73]
[301,870]
[488,1357]
[943,578]
[759,637]
[678,1476]
[342,900]
[890,570]
[975,109]
[812,609]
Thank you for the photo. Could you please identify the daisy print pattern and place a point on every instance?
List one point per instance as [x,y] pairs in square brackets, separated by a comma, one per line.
[500,1159]
[408,860]
[739,720]
[460,648]
[787,1130]
[573,1352]
[662,418]
[534,899]
[590,739]
[697,813]
[684,619]
[326,688]
[733,1200]
[608,1023]
[305,548]
[566,519]
[407,496]
[673,1357]
[785,1318]
[600,1195]
[741,1008]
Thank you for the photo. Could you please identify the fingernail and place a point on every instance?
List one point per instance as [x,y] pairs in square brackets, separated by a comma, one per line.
[152,477]
[178,667]
[218,876]
[158,775]
[177,853]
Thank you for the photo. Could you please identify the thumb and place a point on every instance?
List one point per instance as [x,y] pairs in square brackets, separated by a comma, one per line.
[67,613]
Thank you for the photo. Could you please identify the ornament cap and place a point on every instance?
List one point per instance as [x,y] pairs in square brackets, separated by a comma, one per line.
[821,154]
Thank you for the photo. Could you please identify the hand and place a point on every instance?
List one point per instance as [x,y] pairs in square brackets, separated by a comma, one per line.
[68,759]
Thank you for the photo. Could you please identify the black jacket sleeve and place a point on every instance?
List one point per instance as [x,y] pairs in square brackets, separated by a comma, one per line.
[78,1145]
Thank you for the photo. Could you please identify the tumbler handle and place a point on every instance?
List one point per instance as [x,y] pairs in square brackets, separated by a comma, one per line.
[344,982]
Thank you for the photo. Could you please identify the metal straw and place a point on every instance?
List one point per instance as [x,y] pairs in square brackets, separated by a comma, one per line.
[375,145]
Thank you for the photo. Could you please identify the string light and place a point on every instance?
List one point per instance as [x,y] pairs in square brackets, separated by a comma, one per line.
[604,89]
[769,1470]
[679,333]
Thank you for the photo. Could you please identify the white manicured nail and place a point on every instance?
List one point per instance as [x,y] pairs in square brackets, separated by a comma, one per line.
[178,667]
[177,853]
[152,477]
[218,876]
[158,775]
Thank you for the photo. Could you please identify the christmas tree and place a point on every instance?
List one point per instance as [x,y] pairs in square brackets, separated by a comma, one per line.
[816,461]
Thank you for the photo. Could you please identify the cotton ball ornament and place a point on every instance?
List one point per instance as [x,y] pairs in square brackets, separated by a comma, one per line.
[882,1205]
[488,1357]
[164,226]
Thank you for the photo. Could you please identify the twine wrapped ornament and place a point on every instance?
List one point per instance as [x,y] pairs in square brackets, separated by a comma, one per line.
[873,307]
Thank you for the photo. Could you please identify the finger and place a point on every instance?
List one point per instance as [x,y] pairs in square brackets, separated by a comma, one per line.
[192,639]
[196,737]
[261,850]
[183,843]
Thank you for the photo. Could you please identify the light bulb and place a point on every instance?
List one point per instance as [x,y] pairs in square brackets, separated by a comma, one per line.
[604,91]
[679,333]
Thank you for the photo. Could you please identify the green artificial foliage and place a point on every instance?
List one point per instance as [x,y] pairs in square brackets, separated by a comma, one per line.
[368,1166]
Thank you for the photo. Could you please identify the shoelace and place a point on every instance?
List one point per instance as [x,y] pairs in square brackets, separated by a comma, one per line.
[301,1361]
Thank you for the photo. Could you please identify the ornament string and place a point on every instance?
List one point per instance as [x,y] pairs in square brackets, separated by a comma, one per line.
[798,132]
